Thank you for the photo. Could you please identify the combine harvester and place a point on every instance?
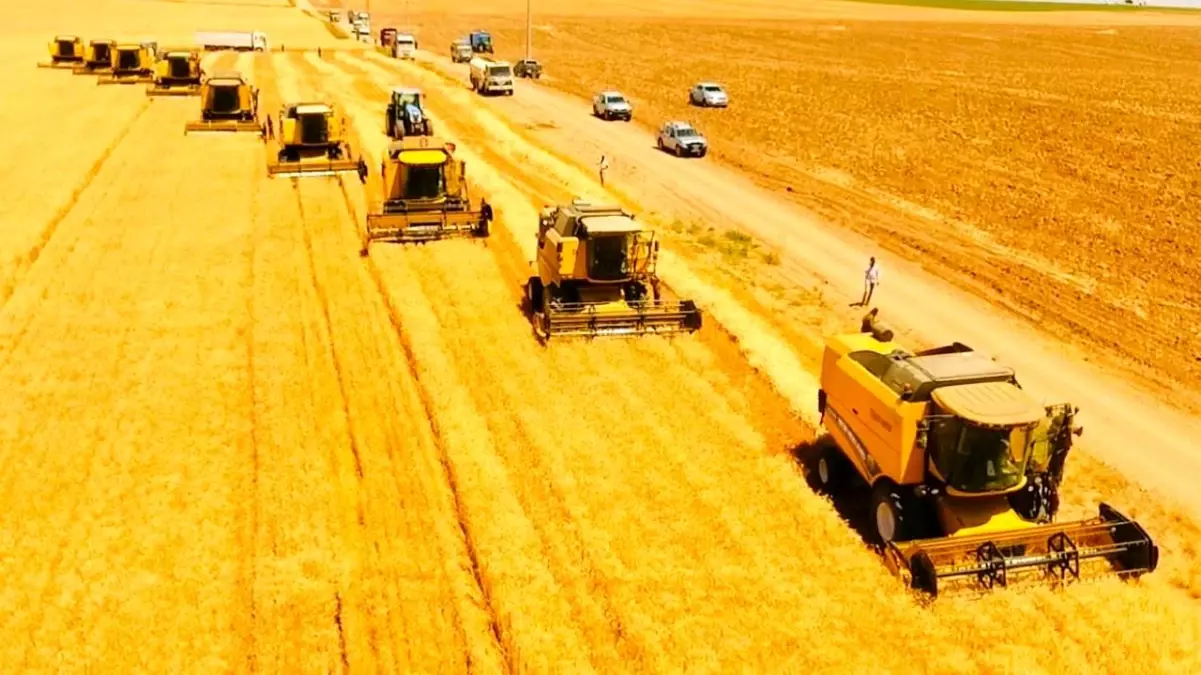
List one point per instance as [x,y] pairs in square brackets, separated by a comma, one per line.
[132,63]
[312,142]
[594,263]
[228,103]
[98,58]
[66,52]
[964,468]
[425,196]
[178,73]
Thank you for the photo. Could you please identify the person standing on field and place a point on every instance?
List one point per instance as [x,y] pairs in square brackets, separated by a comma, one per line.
[871,279]
[603,165]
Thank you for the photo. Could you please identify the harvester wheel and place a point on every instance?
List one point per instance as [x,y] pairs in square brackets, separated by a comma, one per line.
[533,295]
[828,467]
[890,517]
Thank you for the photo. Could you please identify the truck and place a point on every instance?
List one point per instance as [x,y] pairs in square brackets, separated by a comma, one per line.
[460,50]
[491,77]
[243,41]
[387,37]
[405,46]
[481,42]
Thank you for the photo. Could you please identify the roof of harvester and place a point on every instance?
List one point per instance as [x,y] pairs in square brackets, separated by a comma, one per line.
[311,108]
[599,224]
[990,403]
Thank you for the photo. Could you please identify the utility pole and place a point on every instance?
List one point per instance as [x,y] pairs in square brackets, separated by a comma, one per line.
[529,28]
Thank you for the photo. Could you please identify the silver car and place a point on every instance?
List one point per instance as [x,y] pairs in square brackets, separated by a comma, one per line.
[611,105]
[708,95]
[682,140]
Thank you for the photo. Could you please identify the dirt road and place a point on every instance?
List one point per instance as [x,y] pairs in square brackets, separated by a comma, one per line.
[1139,435]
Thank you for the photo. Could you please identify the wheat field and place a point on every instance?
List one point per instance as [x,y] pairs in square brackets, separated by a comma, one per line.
[230,444]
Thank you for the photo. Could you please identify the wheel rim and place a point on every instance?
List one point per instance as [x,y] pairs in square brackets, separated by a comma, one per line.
[823,471]
[886,521]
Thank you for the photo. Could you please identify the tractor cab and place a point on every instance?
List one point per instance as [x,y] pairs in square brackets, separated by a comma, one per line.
[481,42]
[406,114]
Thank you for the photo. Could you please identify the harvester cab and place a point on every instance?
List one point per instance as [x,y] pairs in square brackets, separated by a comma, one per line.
[964,467]
[66,51]
[178,73]
[425,196]
[312,142]
[406,114]
[228,103]
[593,268]
[132,63]
[97,58]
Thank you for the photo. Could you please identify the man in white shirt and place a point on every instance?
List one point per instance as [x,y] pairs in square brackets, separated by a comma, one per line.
[603,165]
[871,279]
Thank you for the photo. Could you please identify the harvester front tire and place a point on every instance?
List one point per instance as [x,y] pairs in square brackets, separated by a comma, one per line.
[534,293]
[829,470]
[891,519]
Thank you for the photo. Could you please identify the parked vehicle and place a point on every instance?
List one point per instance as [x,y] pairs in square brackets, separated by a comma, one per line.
[612,105]
[528,68]
[682,140]
[708,95]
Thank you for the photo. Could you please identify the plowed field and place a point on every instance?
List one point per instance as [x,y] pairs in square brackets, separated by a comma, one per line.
[230,444]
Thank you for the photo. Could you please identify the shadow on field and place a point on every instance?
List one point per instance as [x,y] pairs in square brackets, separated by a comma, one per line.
[851,500]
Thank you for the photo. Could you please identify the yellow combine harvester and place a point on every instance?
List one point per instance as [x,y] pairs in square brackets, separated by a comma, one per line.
[132,63]
[964,468]
[594,263]
[312,142]
[425,196]
[228,103]
[98,58]
[66,51]
[178,73]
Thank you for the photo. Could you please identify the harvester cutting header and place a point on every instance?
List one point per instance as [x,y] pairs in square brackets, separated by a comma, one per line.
[964,467]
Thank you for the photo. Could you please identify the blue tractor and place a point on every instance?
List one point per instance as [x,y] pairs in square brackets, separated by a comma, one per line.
[481,42]
[406,114]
